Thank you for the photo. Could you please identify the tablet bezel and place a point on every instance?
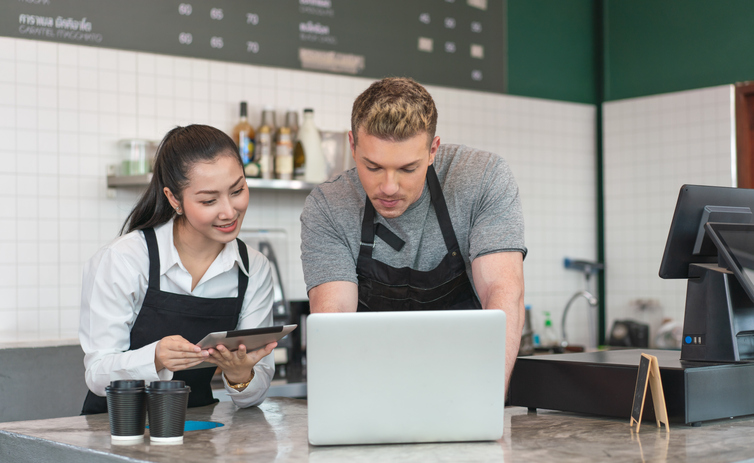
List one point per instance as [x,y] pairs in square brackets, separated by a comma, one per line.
[253,339]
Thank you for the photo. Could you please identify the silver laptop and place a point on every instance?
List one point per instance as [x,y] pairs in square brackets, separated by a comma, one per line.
[400,377]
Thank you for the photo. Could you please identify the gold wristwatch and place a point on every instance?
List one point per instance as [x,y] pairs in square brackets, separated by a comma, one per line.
[239,386]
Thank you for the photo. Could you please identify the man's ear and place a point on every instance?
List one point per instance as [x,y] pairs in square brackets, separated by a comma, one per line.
[433,147]
[352,143]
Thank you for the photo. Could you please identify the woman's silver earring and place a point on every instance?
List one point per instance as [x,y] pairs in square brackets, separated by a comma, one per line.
[178,211]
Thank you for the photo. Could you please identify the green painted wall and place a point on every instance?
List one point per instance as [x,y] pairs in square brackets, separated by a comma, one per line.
[551,49]
[660,46]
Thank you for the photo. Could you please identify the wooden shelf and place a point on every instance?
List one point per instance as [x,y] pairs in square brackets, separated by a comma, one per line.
[275,184]
[115,181]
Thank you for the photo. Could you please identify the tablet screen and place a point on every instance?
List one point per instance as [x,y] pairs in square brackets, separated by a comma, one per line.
[253,339]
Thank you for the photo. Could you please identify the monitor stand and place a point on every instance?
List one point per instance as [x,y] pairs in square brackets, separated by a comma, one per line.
[718,324]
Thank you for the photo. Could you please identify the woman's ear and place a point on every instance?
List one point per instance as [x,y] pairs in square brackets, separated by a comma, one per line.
[174,203]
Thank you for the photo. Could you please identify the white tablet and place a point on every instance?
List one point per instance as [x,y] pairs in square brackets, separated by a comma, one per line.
[253,339]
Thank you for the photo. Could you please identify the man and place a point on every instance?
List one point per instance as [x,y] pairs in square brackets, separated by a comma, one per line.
[415,222]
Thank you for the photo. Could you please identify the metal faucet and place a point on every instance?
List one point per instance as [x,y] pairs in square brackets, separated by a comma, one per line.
[592,326]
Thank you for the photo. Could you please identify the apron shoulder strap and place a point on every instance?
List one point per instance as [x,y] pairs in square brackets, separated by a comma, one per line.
[441,210]
[243,279]
[367,229]
[154,258]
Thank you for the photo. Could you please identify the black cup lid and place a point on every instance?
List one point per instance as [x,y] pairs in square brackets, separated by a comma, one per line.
[127,384]
[162,385]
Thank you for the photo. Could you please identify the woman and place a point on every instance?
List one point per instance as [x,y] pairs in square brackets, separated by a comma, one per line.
[176,274]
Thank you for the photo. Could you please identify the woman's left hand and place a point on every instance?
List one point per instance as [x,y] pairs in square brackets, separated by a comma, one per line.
[237,365]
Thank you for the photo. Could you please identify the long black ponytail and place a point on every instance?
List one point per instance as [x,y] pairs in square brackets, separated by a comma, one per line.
[181,148]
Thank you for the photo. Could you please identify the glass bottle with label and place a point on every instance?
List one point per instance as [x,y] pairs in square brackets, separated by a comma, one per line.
[291,120]
[269,119]
[264,143]
[311,142]
[264,152]
[243,135]
[284,155]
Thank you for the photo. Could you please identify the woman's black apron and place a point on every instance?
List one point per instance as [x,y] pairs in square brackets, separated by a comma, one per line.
[386,288]
[165,314]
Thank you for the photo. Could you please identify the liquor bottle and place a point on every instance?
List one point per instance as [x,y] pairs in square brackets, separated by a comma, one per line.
[311,142]
[284,155]
[264,143]
[291,120]
[264,151]
[243,135]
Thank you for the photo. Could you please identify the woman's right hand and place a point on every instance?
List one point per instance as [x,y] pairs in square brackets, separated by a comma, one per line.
[176,353]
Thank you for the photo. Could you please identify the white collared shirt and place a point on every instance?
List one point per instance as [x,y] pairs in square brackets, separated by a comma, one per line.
[115,283]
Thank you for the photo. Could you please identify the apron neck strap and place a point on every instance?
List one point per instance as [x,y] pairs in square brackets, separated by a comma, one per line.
[367,229]
[441,210]
[154,258]
[243,279]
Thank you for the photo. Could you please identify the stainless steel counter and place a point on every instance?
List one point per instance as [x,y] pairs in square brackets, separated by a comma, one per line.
[277,432]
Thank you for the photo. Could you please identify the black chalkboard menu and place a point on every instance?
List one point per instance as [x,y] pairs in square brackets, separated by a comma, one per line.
[640,392]
[453,43]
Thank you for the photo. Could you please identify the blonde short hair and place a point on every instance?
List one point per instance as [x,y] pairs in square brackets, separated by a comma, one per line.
[395,109]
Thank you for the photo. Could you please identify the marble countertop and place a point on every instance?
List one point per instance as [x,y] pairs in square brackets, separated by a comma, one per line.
[276,431]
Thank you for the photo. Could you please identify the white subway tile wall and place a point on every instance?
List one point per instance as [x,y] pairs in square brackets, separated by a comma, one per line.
[64,107]
[653,145]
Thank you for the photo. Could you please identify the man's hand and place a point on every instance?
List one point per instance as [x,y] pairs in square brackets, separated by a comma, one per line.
[175,353]
[237,365]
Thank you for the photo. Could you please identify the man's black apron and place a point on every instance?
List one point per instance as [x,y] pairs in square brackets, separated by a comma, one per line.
[386,288]
[165,314]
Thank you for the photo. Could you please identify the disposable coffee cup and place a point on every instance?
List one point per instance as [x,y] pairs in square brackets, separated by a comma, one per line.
[167,401]
[127,410]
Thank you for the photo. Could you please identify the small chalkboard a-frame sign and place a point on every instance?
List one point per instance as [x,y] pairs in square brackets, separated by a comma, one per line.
[649,373]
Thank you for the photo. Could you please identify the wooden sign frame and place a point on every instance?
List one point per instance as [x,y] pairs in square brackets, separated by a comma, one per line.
[649,373]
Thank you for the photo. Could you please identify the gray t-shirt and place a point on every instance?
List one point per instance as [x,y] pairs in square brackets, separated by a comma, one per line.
[483,202]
